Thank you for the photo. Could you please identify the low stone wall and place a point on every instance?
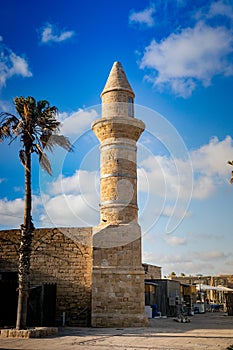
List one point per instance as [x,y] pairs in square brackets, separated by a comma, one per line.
[62,256]
[38,332]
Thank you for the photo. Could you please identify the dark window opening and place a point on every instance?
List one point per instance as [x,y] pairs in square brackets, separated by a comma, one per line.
[130,107]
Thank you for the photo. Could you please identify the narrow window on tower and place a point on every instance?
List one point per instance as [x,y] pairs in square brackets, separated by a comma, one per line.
[130,107]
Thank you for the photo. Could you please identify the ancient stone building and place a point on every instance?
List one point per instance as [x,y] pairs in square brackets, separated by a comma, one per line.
[97,270]
[152,271]
[118,276]
[60,256]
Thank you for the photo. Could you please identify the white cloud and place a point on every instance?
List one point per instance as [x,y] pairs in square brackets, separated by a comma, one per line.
[220,8]
[11,212]
[143,17]
[168,211]
[72,200]
[165,177]
[82,181]
[70,210]
[210,166]
[166,185]
[190,262]
[151,175]
[11,65]
[166,181]
[214,255]
[212,158]
[175,241]
[195,55]
[76,123]
[162,175]
[19,66]
[50,33]
[204,187]
[68,201]
[215,9]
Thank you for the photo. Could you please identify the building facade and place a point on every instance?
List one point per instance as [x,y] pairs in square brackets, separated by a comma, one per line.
[97,270]
[59,256]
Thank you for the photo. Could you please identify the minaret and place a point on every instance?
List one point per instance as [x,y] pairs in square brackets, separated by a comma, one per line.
[118,132]
[118,277]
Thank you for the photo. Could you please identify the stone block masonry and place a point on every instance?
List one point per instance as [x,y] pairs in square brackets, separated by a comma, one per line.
[152,272]
[38,332]
[62,256]
[118,277]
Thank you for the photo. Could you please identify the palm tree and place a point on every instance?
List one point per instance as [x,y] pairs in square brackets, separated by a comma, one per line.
[38,129]
[172,274]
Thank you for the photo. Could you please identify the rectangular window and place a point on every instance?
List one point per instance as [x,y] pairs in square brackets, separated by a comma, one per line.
[130,107]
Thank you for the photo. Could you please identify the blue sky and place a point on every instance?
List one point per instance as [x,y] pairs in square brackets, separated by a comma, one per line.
[178,57]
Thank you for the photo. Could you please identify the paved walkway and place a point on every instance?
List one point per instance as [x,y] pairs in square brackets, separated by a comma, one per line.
[213,331]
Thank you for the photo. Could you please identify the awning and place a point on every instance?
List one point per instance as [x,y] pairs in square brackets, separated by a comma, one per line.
[219,288]
[151,283]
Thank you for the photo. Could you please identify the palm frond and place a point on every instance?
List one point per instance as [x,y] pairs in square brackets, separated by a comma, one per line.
[19,105]
[44,138]
[4,116]
[58,140]
[46,115]
[42,104]
[8,125]
[231,179]
[18,128]
[45,163]
[25,107]
[46,122]
[43,159]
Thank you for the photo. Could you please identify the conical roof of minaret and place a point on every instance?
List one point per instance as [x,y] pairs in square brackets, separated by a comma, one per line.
[117,80]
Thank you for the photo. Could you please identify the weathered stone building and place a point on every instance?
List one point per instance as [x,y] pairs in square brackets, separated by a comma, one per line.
[97,270]
[59,256]
[152,271]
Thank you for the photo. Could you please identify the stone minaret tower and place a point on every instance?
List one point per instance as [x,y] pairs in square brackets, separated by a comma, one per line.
[118,277]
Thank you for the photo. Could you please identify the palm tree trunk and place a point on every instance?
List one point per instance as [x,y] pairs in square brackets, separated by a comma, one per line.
[25,247]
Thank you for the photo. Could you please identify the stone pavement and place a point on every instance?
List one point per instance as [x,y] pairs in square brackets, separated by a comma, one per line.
[205,331]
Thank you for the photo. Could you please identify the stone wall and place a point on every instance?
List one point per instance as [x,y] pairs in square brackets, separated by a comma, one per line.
[118,277]
[152,271]
[62,256]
